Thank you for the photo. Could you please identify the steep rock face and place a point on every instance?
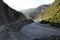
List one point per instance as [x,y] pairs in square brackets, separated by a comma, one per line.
[13,15]
[10,16]
[11,21]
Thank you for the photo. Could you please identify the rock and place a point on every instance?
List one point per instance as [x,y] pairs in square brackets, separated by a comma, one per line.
[44,22]
[9,16]
[38,32]
[12,21]
[49,38]
[13,15]
[55,24]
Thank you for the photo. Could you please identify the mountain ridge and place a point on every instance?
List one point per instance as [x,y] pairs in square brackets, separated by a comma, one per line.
[32,12]
[52,14]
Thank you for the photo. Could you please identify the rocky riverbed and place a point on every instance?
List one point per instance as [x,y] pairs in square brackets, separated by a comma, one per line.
[36,31]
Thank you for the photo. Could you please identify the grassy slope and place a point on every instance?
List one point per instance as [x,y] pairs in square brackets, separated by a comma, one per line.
[52,14]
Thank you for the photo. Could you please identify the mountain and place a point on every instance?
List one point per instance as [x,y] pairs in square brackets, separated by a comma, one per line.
[38,10]
[27,12]
[32,12]
[11,21]
[52,14]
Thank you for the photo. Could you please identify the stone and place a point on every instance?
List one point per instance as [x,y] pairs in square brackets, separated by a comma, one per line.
[11,21]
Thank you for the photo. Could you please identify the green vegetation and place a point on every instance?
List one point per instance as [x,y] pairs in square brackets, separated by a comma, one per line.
[52,14]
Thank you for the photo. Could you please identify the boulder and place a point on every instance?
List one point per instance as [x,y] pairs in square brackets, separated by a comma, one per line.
[45,22]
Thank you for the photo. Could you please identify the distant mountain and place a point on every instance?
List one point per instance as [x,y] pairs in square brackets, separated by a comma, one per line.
[33,12]
[27,12]
[52,14]
[38,10]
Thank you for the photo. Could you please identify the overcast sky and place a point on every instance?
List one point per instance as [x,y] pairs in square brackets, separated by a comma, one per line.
[25,4]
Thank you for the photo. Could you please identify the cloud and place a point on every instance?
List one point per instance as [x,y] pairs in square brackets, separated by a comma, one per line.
[25,4]
[49,1]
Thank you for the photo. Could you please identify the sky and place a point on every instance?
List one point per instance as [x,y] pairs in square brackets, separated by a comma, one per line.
[26,4]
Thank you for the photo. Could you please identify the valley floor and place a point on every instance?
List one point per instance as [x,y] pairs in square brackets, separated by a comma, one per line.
[31,32]
[36,30]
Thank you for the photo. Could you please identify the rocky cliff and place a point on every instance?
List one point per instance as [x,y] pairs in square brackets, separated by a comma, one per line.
[11,21]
